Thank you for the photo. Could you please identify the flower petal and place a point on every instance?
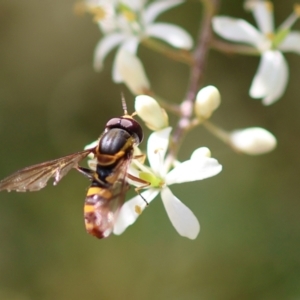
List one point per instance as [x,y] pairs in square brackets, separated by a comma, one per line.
[157,146]
[171,34]
[135,5]
[237,30]
[291,42]
[156,8]
[263,14]
[193,169]
[271,77]
[181,217]
[104,46]
[130,45]
[91,145]
[132,72]
[128,212]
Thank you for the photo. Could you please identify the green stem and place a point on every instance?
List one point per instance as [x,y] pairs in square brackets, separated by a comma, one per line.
[218,132]
[183,56]
[196,77]
[233,48]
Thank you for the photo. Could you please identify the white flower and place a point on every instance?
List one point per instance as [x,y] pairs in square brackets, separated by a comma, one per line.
[253,141]
[197,168]
[151,113]
[271,77]
[132,71]
[134,23]
[104,12]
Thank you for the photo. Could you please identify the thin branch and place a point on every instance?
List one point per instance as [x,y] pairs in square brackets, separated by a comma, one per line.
[233,48]
[183,56]
[197,74]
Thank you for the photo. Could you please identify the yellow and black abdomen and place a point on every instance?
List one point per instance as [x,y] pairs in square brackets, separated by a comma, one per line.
[98,217]
[107,192]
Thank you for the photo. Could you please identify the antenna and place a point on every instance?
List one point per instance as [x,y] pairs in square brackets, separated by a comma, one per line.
[124,106]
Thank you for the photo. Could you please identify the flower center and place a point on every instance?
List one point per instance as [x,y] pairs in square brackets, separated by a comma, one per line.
[131,18]
[153,180]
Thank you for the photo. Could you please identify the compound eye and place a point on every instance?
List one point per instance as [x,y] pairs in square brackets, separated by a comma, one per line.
[134,128]
[128,124]
[113,123]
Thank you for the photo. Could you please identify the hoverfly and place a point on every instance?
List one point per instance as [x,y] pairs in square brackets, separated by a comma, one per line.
[106,193]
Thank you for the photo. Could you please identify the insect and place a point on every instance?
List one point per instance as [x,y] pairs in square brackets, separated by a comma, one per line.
[106,193]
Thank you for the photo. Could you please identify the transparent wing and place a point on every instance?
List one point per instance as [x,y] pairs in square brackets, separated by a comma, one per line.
[35,177]
[119,185]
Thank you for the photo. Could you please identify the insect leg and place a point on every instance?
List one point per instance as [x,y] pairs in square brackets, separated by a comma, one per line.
[141,158]
[86,172]
[137,189]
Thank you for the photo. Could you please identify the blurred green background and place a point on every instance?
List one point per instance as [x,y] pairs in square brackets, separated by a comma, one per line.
[52,103]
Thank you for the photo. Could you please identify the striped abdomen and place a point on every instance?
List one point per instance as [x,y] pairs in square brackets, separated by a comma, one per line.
[98,216]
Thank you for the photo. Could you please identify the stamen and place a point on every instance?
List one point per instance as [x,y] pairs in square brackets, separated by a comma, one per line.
[129,15]
[269,6]
[99,13]
[289,22]
[270,36]
[297,9]
[157,150]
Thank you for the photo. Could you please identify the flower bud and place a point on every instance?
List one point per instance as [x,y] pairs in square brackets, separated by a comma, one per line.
[199,153]
[151,113]
[208,99]
[131,70]
[253,141]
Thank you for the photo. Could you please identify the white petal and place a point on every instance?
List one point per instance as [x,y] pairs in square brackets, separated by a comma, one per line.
[107,23]
[134,5]
[171,34]
[128,212]
[157,146]
[271,78]
[156,8]
[263,14]
[132,72]
[91,145]
[181,217]
[291,42]
[104,46]
[237,30]
[253,141]
[130,45]
[192,170]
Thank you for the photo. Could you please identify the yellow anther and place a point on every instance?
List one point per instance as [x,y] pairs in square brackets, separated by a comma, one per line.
[297,9]
[138,209]
[98,12]
[269,6]
[157,150]
[129,15]
[270,36]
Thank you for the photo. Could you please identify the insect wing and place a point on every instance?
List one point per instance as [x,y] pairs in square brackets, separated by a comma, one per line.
[35,177]
[102,205]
